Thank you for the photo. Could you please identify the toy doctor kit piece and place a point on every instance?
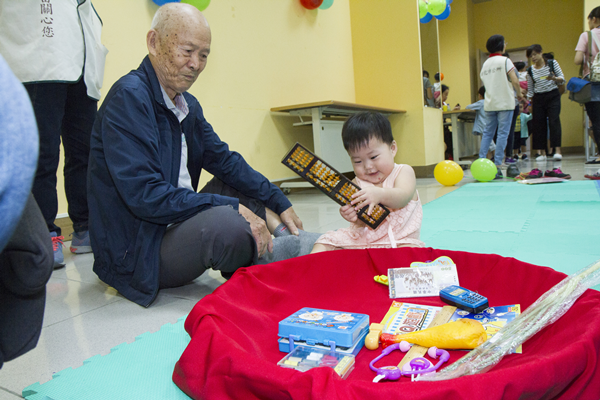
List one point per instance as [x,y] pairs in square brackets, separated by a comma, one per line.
[417,366]
[545,311]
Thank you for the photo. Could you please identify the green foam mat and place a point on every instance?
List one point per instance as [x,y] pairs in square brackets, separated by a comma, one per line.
[553,225]
[138,370]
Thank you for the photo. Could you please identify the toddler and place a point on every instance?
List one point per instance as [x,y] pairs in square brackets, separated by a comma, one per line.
[480,119]
[367,137]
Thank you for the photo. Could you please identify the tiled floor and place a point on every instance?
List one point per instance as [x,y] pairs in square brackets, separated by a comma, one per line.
[85,317]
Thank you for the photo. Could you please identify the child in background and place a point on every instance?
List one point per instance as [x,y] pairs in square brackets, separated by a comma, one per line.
[368,139]
[480,119]
[522,133]
[521,68]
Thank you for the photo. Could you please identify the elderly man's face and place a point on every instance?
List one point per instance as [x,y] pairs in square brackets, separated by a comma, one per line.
[181,55]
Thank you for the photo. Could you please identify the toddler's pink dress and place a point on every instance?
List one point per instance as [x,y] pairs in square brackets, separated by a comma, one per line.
[401,227]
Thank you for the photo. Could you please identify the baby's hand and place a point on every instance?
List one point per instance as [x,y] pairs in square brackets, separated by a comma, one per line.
[348,213]
[370,196]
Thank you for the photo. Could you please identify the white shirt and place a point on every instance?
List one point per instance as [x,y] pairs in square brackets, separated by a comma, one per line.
[499,92]
[52,41]
[181,111]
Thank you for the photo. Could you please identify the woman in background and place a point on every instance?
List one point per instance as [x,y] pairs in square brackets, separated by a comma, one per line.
[582,57]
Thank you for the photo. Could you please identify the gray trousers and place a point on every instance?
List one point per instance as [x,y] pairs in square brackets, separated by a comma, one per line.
[220,238]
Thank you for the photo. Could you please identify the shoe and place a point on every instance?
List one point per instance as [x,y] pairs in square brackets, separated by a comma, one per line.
[557,173]
[512,171]
[522,176]
[524,157]
[499,175]
[57,245]
[535,173]
[540,158]
[80,243]
[510,160]
[594,177]
[557,157]
[593,162]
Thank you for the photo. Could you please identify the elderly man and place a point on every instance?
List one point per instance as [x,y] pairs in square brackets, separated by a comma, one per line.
[149,227]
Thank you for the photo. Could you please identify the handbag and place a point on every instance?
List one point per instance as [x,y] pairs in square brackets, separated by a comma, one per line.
[580,90]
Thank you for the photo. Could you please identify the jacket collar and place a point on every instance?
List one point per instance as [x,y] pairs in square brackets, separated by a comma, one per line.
[147,68]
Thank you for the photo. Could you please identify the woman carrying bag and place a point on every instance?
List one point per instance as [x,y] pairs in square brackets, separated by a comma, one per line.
[583,58]
[543,82]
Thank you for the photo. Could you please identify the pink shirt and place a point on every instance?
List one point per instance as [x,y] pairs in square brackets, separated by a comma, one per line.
[582,45]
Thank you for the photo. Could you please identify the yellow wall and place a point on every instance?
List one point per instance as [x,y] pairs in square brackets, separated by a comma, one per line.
[265,53]
[387,71]
[554,24]
[456,52]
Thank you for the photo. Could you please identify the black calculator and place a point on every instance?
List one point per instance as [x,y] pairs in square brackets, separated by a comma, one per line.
[464,299]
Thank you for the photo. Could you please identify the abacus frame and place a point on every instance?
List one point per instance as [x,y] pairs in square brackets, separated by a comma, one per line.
[334,184]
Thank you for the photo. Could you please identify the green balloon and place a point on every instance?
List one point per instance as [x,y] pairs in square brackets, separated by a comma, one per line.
[483,170]
[199,4]
[422,9]
[436,7]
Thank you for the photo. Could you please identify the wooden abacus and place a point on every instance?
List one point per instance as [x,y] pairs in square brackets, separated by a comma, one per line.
[324,177]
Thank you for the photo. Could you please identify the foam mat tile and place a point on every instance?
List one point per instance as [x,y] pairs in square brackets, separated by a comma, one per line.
[138,370]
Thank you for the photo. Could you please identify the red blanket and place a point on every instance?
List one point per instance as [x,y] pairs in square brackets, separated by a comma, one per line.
[233,352]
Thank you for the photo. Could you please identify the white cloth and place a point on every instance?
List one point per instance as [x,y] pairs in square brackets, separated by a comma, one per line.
[499,92]
[51,40]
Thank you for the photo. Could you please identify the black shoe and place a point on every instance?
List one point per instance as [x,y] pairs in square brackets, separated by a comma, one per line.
[512,171]
[593,162]
[499,175]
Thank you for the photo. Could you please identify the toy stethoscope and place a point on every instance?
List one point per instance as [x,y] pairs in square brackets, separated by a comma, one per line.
[416,366]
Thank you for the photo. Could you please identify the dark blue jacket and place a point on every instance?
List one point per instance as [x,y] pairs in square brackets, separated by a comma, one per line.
[133,175]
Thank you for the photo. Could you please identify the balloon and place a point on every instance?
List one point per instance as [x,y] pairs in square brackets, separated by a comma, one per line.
[311,4]
[436,7]
[422,9]
[199,4]
[444,15]
[448,173]
[441,76]
[428,17]
[163,2]
[483,170]
[450,1]
[326,4]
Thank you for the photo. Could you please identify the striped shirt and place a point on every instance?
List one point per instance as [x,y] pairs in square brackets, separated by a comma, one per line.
[543,85]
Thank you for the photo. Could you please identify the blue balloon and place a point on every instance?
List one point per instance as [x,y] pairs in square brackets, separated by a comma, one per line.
[445,14]
[428,17]
[449,2]
[326,4]
[163,2]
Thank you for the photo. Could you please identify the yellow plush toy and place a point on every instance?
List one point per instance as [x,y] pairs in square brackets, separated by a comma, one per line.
[461,334]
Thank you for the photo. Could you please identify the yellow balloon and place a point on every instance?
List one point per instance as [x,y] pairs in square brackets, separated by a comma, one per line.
[448,173]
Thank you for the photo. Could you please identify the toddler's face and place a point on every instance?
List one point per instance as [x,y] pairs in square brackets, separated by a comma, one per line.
[374,162]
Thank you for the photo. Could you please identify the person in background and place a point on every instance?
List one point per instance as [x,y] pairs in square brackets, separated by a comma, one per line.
[511,135]
[427,90]
[441,103]
[501,83]
[583,58]
[54,49]
[543,79]
[480,119]
[149,227]
[437,84]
